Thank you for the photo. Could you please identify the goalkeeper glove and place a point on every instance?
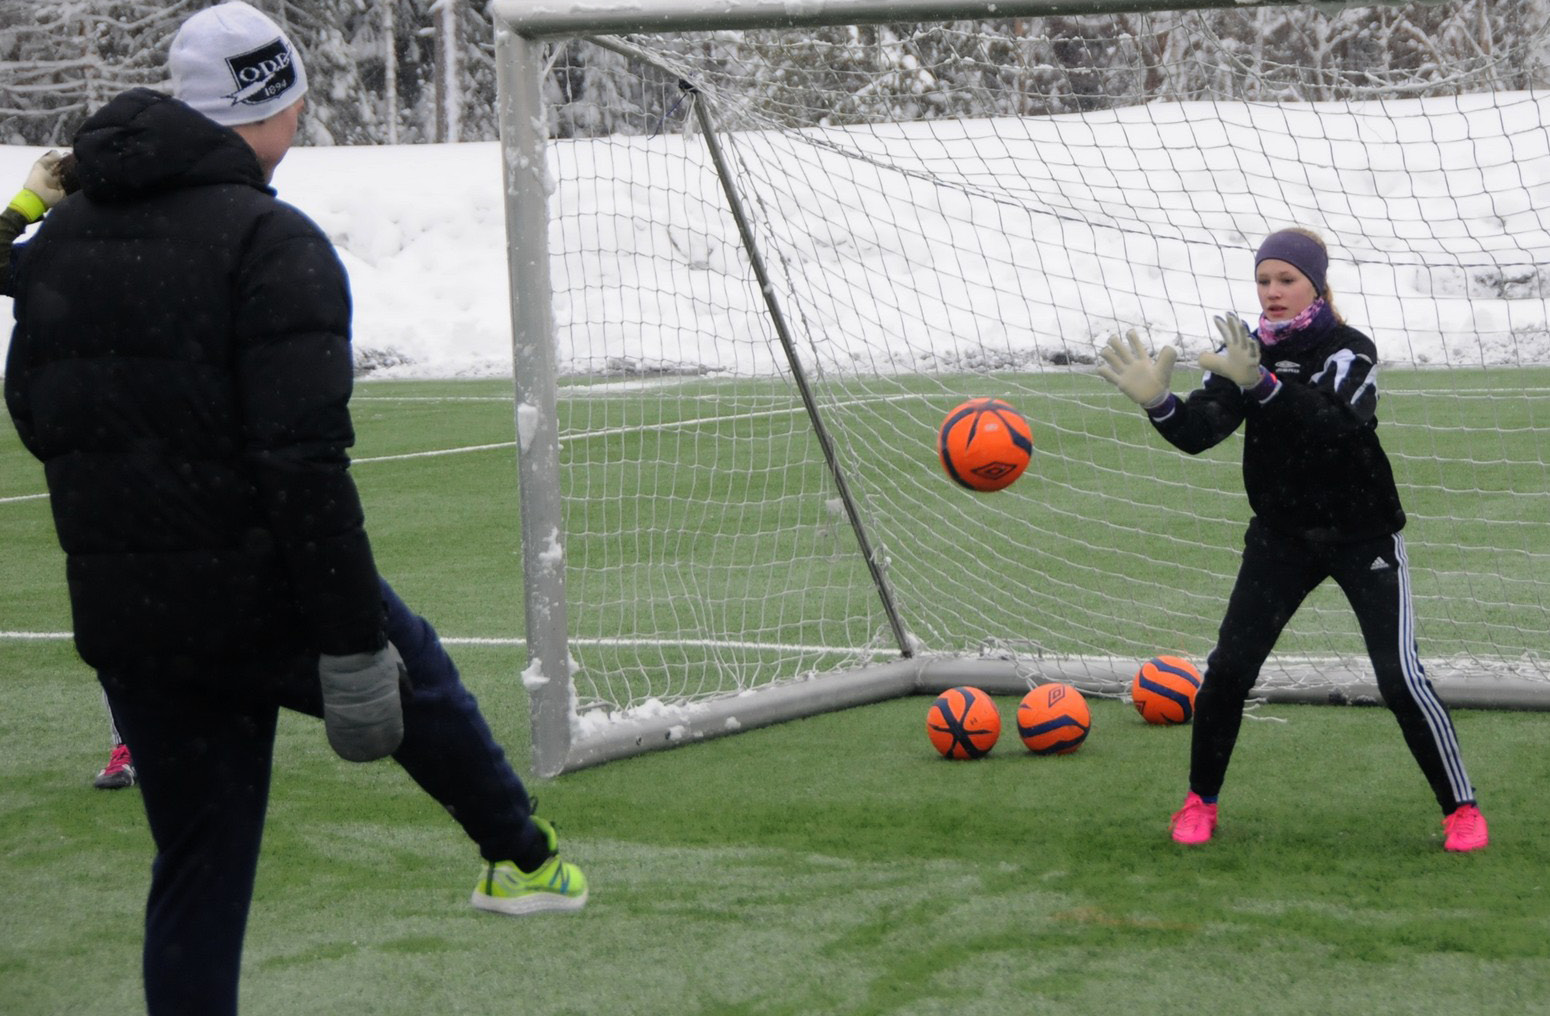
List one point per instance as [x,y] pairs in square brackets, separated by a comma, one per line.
[1142,380]
[1239,361]
[44,187]
[362,709]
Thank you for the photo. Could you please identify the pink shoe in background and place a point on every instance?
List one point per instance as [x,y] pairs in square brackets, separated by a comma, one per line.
[1195,822]
[118,773]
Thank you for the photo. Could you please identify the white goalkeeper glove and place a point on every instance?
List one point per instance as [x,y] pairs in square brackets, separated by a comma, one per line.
[1239,362]
[44,187]
[1143,380]
[362,711]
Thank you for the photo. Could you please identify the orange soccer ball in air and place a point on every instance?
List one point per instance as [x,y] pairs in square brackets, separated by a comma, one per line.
[984,444]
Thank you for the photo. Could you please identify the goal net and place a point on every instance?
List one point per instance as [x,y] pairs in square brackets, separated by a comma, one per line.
[757,256]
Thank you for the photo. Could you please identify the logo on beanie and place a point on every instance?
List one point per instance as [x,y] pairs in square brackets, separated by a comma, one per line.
[261,74]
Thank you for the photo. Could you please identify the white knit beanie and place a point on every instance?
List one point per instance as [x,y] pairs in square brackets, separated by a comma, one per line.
[235,65]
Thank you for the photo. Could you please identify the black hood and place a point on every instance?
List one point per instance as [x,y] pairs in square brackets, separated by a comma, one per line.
[145,143]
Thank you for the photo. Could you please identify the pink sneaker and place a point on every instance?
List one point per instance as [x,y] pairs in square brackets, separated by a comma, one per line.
[1196,821]
[1466,829]
[118,773]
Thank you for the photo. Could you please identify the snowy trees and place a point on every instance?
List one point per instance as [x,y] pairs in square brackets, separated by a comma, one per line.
[62,60]
[1067,64]
[394,71]
[372,65]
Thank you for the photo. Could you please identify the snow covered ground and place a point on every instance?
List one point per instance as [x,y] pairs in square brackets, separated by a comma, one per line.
[1422,210]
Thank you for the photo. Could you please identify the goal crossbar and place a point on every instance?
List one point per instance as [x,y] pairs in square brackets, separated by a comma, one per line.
[537,20]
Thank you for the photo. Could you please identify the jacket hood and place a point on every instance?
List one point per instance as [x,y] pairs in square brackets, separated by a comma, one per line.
[143,143]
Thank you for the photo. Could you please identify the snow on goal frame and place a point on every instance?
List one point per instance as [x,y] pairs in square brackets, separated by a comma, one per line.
[758,250]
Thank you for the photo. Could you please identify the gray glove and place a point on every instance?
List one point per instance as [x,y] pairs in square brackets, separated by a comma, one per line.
[362,712]
[1239,362]
[1143,380]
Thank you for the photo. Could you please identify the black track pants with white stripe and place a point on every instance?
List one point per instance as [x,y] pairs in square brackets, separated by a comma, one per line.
[1276,575]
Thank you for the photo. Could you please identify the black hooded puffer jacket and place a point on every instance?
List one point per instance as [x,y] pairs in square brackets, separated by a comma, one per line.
[181,365]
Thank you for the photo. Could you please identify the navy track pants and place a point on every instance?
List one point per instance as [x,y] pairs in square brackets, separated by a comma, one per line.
[202,738]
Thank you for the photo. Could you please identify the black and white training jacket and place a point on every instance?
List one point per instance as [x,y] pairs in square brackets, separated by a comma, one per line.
[1313,466]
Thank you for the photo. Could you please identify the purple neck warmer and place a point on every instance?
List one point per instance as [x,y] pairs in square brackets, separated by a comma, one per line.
[1316,313]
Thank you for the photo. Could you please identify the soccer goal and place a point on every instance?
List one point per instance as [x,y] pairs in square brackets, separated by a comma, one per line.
[758,250]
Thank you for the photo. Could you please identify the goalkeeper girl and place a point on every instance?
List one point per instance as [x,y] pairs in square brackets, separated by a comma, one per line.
[1324,506]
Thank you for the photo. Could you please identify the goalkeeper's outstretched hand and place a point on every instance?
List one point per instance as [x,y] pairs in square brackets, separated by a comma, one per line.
[1127,367]
[43,189]
[1239,362]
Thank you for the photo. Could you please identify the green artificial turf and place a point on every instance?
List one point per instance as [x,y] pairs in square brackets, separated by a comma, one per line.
[829,865]
[833,865]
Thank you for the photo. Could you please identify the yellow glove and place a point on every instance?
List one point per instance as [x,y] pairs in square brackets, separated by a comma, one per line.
[1239,362]
[1143,380]
[43,190]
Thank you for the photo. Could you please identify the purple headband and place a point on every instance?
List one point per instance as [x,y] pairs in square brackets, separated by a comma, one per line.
[1299,250]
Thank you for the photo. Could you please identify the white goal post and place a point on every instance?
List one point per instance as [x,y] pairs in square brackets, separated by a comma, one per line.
[758,250]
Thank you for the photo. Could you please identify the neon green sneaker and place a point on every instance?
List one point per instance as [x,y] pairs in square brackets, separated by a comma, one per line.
[555,885]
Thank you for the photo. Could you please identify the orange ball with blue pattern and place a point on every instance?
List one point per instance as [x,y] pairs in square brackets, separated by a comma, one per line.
[984,444]
[1053,719]
[1163,690]
[963,723]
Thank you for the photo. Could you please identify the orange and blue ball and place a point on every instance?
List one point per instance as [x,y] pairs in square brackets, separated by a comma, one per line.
[1053,719]
[1163,690]
[984,444]
[963,723]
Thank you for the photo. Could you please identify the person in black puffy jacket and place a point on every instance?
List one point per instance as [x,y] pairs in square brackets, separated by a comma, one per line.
[181,365]
[1304,386]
